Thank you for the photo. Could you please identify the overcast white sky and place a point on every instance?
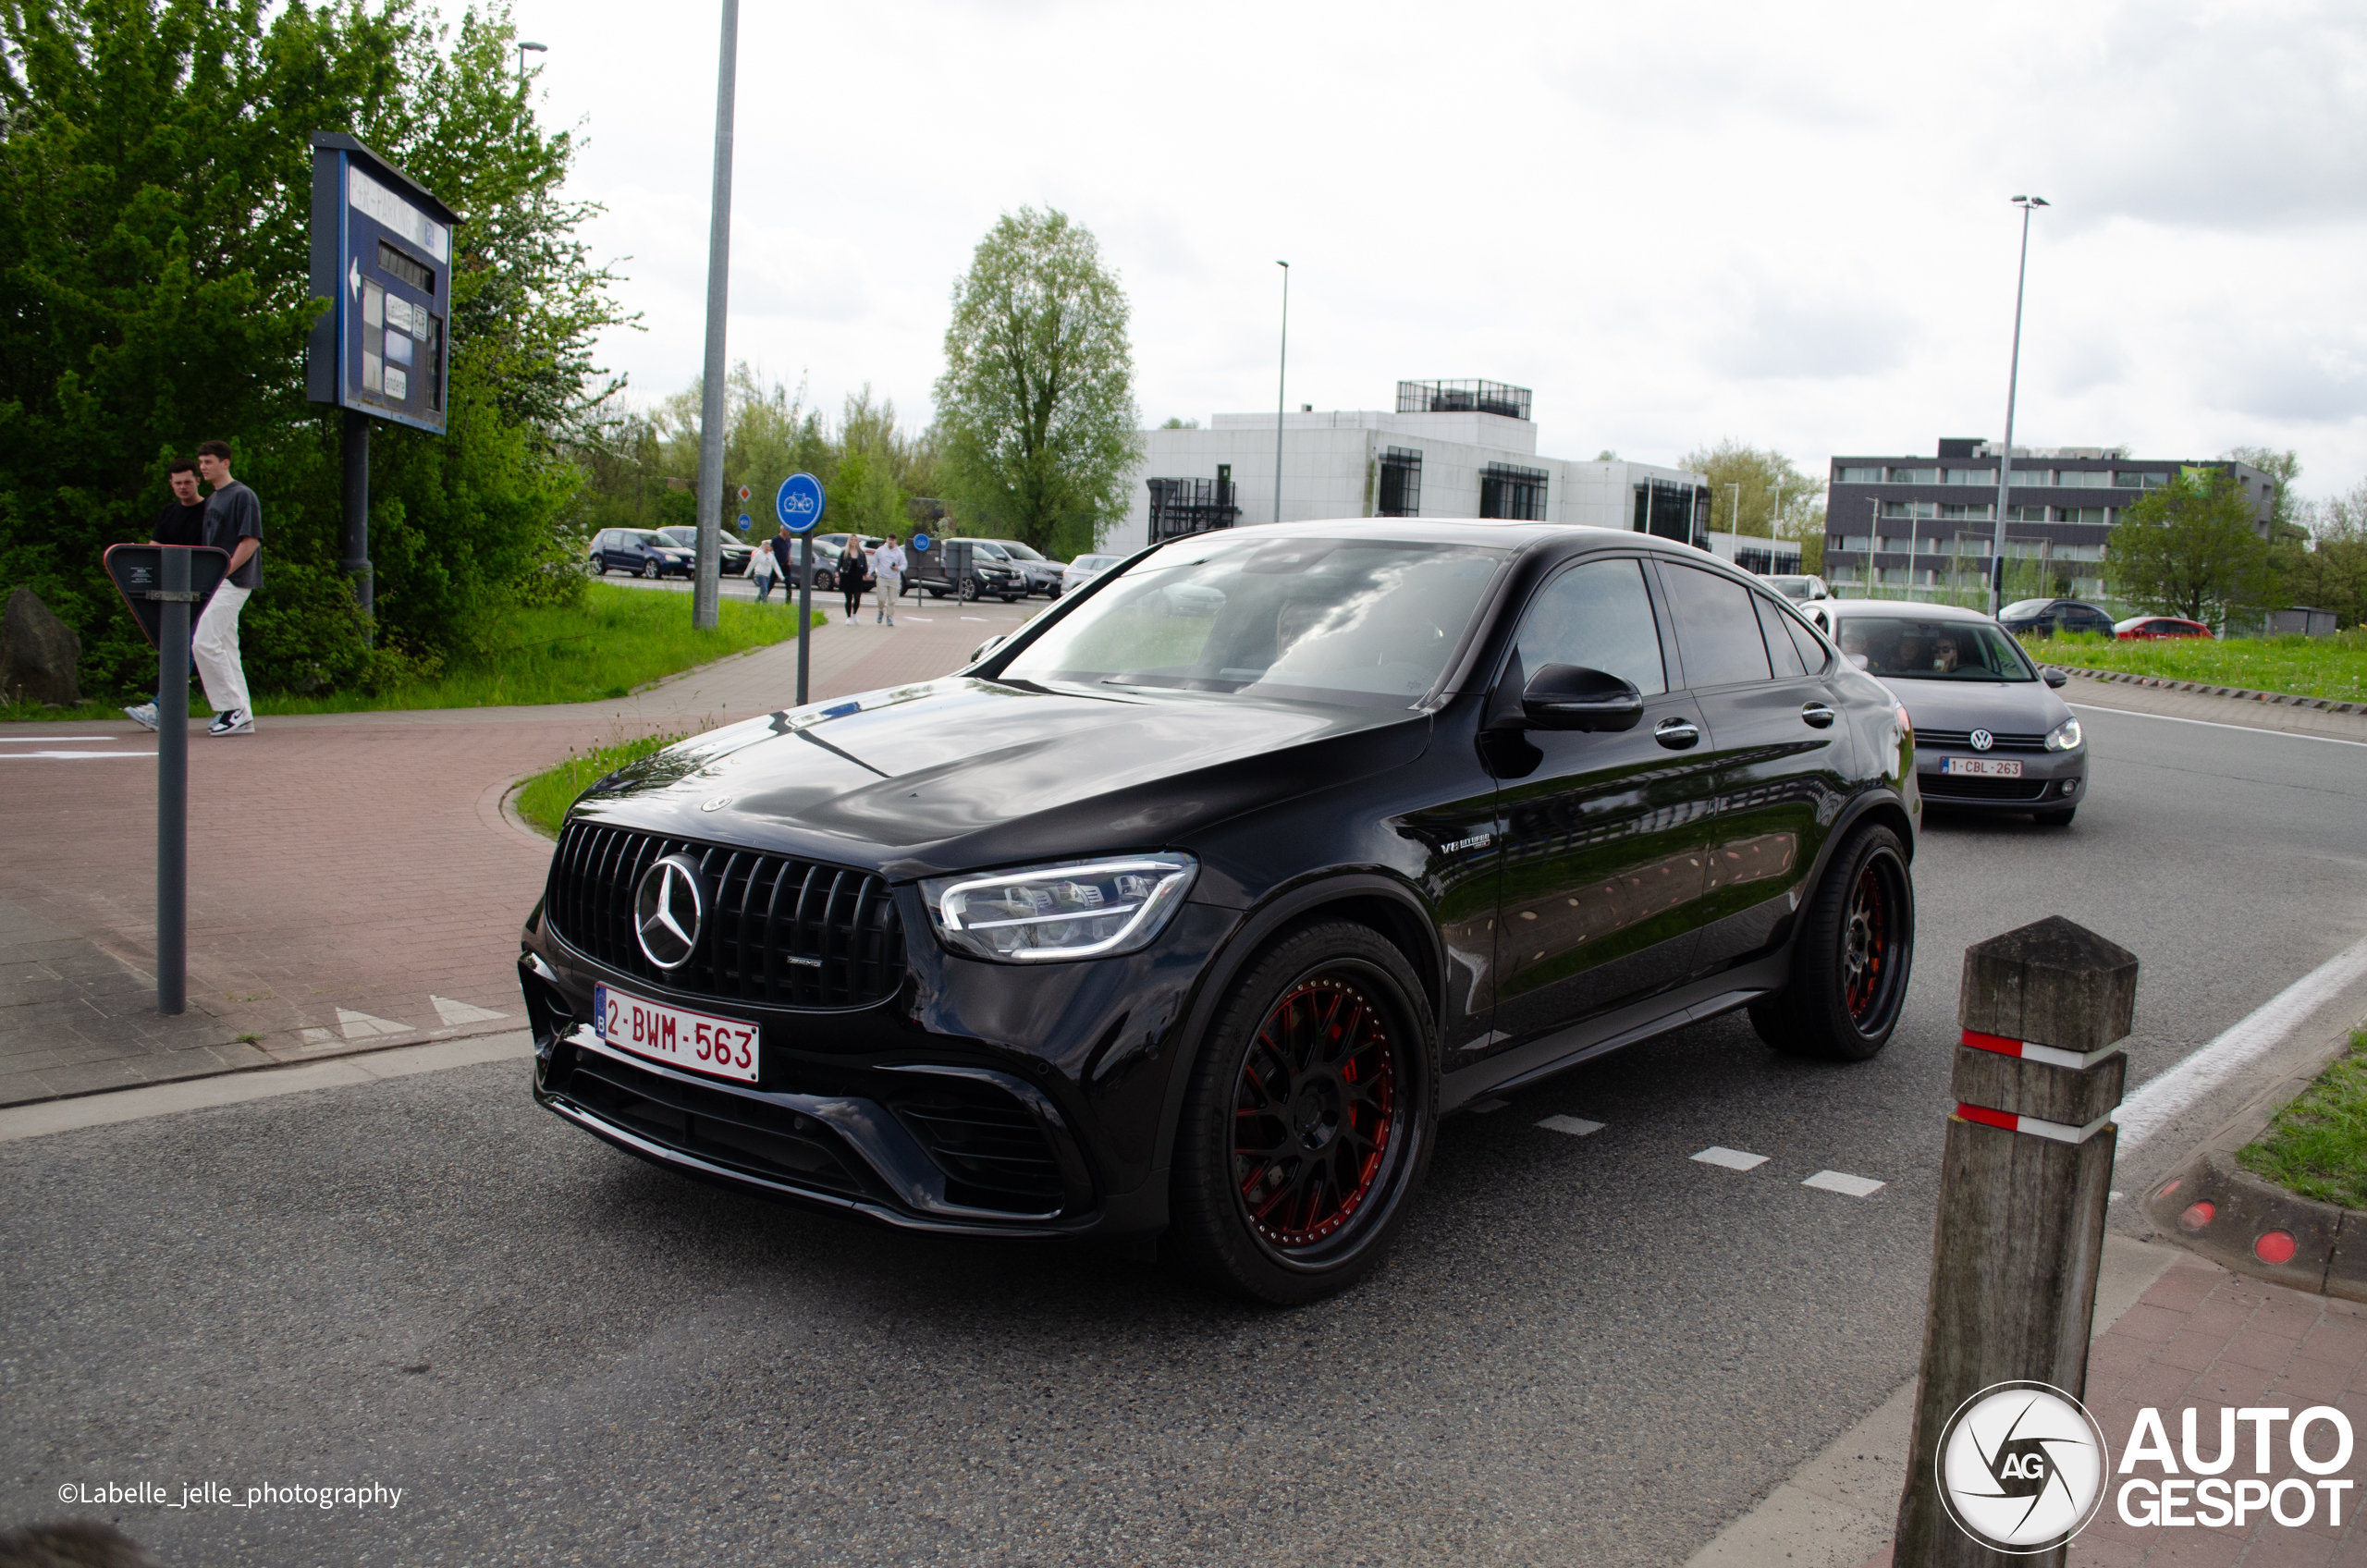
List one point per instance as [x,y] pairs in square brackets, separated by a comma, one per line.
[1676,223]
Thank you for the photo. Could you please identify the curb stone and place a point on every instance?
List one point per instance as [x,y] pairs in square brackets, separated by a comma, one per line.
[2241,693]
[2245,1224]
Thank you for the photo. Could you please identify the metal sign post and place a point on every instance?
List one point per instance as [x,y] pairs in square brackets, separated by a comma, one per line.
[799,504]
[164,585]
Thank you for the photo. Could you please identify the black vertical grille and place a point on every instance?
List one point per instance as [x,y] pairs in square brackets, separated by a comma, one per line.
[993,1153]
[780,931]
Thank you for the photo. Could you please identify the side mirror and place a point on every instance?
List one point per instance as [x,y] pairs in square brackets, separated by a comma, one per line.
[2054,677]
[988,646]
[1567,696]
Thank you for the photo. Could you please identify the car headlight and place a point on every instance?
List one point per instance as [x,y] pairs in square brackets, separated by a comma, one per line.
[2064,737]
[1089,909]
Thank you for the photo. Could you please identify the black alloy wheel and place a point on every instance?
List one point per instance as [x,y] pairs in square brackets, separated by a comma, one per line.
[1851,959]
[649,568]
[825,581]
[1309,1120]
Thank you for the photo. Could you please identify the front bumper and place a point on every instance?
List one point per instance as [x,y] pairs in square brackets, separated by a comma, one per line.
[981,1099]
[2050,781]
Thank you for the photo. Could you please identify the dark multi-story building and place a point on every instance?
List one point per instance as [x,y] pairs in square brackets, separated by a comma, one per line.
[1894,523]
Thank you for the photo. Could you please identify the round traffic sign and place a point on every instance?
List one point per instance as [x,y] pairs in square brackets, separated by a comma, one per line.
[920,541]
[744,521]
[799,503]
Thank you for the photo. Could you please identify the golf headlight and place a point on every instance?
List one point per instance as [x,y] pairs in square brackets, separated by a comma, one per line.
[2064,737]
[1089,909]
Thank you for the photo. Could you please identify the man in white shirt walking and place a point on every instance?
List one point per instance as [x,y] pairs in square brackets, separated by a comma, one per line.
[888,568]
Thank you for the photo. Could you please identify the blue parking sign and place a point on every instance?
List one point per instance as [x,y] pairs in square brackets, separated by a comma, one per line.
[799,503]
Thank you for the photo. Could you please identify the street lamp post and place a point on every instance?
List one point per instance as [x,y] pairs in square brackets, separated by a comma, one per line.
[1734,518]
[522,47]
[706,587]
[1281,377]
[2013,374]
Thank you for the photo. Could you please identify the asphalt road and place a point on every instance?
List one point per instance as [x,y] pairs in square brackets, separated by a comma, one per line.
[1586,1349]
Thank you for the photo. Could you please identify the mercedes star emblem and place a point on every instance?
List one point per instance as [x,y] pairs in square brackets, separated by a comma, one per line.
[669,908]
[1983,740]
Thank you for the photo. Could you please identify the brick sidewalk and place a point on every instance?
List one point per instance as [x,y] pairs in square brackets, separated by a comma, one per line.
[354,881]
[2204,1339]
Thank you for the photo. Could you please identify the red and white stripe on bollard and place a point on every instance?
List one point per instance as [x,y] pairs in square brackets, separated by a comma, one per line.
[2027,1170]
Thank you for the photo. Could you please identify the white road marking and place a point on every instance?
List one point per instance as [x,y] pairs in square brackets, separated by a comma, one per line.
[75,756]
[2167,1094]
[979,618]
[1483,1106]
[2215,724]
[1576,1126]
[451,1012]
[1842,1182]
[53,739]
[929,619]
[361,1027]
[1733,1159]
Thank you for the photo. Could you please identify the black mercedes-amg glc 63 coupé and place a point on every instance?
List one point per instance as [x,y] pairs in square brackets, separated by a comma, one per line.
[1187,911]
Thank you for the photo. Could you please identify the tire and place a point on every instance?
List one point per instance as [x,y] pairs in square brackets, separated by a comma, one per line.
[1851,959]
[2054,818]
[969,590]
[937,593]
[1290,1206]
[825,581]
[600,566]
[1008,598]
[649,570]
[1053,592]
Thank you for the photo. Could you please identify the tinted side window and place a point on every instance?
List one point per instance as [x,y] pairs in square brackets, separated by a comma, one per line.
[1814,653]
[1597,616]
[1780,646]
[1717,630]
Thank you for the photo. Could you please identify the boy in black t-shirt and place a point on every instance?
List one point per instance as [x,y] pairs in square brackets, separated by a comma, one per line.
[233,522]
[181,523]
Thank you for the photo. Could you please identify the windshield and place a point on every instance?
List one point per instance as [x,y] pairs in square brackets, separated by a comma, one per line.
[1015,548]
[1930,650]
[989,549]
[2025,607]
[1093,563]
[646,539]
[1367,623]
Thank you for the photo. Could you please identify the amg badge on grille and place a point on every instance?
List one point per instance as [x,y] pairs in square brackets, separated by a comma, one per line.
[669,910]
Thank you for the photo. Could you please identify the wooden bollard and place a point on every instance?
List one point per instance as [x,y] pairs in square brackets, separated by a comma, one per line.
[2023,1191]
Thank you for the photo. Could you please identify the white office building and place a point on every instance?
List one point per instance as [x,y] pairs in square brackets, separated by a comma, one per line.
[1451,448]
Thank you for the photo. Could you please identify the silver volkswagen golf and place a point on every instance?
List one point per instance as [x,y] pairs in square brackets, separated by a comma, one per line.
[1989,732]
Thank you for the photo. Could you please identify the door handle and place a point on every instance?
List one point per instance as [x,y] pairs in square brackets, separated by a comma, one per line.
[1817,716]
[1676,734]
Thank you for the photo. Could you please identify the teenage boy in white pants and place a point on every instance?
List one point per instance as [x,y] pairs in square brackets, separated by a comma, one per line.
[233,522]
[887,567]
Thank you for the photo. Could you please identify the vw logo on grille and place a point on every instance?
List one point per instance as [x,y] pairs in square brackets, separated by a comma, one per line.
[669,910]
[1983,740]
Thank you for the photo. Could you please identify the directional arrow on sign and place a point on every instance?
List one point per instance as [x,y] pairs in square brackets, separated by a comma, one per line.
[353,280]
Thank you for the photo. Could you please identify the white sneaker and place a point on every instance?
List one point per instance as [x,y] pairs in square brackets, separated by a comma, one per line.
[143,716]
[237,721]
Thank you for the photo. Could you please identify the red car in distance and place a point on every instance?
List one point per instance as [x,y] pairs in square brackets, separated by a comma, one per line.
[2148,627]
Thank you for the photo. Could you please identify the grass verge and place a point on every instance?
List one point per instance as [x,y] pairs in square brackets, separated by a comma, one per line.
[2333,667]
[620,639]
[543,798]
[2317,1145]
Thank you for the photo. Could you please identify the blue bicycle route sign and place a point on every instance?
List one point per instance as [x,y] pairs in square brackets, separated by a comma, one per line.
[799,503]
[920,541]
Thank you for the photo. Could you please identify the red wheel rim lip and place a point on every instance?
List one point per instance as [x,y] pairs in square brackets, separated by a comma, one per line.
[1296,1198]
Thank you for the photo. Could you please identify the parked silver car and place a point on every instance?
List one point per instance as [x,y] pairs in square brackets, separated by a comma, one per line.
[1989,732]
[1084,569]
[1041,575]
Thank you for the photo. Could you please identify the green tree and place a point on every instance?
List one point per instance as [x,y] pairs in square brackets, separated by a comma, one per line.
[155,165]
[2190,549]
[1035,409]
[2327,566]
[1776,501]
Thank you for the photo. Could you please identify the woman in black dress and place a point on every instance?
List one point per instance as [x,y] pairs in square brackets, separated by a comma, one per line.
[853,573]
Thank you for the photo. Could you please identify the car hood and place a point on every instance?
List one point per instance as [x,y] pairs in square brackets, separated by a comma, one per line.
[963,773]
[2018,706]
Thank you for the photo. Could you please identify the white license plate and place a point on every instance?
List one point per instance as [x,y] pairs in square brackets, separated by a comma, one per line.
[676,1036]
[1981,767]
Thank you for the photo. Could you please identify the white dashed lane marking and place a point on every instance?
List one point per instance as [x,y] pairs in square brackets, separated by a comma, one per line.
[75,756]
[1842,1182]
[1732,1159]
[1576,1126]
